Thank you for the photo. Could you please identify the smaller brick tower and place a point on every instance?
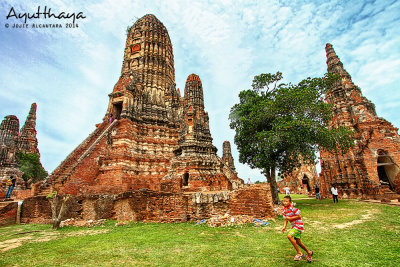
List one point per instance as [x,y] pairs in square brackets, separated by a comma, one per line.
[9,130]
[196,165]
[227,155]
[371,167]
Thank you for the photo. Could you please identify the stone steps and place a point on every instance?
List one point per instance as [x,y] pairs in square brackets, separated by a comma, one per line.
[76,156]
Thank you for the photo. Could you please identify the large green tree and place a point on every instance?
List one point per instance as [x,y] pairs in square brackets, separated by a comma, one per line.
[31,167]
[280,126]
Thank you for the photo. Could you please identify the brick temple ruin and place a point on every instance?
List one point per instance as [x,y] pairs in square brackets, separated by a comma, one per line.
[13,140]
[155,160]
[370,169]
[301,181]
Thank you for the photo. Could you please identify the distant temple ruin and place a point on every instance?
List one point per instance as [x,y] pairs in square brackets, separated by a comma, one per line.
[154,159]
[12,141]
[370,169]
[301,181]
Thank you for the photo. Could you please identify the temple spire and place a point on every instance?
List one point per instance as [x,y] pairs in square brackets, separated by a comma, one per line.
[28,142]
[334,63]
[227,155]
[194,92]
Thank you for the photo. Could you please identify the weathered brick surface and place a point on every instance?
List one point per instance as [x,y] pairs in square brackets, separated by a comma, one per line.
[371,167]
[8,213]
[301,180]
[27,140]
[254,200]
[149,205]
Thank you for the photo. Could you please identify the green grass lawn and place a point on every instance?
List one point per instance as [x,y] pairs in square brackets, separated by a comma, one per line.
[349,233]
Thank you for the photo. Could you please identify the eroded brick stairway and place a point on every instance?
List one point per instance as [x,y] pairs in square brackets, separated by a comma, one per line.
[75,157]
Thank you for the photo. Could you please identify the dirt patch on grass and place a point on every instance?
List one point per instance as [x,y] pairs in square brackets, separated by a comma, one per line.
[239,234]
[365,217]
[88,232]
[13,243]
[44,236]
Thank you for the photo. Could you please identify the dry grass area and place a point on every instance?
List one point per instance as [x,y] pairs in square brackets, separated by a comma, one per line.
[43,236]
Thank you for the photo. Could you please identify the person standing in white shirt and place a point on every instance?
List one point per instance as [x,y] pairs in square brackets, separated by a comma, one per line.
[334,193]
[287,191]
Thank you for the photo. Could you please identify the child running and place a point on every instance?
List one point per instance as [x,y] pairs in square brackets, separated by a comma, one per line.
[292,215]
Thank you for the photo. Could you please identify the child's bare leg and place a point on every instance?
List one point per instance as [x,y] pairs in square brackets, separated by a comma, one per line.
[293,241]
[298,241]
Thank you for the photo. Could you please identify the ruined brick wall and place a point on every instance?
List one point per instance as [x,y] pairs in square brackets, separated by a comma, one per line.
[8,213]
[371,167]
[254,200]
[148,205]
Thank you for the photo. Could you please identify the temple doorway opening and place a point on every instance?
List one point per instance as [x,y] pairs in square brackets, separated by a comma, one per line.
[387,170]
[186,179]
[306,184]
[117,110]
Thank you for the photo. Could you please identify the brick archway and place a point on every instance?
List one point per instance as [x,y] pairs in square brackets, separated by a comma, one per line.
[305,181]
[185,179]
[387,170]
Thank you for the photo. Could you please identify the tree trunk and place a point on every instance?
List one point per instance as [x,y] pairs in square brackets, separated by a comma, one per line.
[274,188]
[57,217]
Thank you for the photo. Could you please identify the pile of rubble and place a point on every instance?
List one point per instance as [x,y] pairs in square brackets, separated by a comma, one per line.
[89,223]
[232,220]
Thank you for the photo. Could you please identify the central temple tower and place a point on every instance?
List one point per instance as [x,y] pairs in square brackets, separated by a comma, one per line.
[158,139]
[146,89]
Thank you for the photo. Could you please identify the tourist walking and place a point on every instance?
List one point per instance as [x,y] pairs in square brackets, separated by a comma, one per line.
[11,185]
[334,194]
[317,194]
[111,119]
[292,215]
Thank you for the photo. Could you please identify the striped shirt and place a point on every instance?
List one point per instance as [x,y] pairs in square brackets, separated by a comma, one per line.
[292,211]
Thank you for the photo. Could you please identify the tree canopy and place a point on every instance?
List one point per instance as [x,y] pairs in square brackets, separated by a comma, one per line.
[31,166]
[279,126]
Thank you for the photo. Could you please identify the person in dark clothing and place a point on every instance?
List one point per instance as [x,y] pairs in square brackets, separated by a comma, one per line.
[317,194]
[11,186]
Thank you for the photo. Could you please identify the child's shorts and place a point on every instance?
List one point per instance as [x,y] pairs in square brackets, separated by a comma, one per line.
[295,233]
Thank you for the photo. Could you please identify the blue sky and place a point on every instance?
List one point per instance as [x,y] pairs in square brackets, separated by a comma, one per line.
[70,72]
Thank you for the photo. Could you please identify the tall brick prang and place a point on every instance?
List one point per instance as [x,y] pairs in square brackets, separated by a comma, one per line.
[370,169]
